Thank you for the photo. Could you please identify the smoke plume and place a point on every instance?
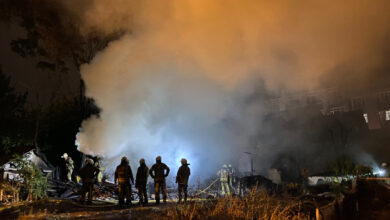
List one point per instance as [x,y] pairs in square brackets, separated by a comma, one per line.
[192,78]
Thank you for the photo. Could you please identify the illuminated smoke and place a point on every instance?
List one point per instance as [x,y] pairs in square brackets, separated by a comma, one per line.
[173,85]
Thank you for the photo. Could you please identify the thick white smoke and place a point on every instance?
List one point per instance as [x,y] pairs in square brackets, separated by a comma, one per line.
[172,85]
[155,107]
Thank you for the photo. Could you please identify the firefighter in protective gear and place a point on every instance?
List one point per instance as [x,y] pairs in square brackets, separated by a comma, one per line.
[158,172]
[182,179]
[69,166]
[123,176]
[87,174]
[99,177]
[224,179]
[141,180]
[232,176]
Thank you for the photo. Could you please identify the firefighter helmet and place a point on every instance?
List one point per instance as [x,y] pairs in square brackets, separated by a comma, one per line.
[89,161]
[124,160]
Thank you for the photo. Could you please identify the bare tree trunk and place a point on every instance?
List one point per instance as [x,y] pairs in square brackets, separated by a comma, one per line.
[37,122]
[36,133]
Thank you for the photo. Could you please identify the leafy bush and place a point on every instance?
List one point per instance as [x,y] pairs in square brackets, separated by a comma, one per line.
[34,182]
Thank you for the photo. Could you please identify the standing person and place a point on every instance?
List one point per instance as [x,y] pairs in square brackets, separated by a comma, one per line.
[141,180]
[224,179]
[123,175]
[158,172]
[99,177]
[232,176]
[182,179]
[69,166]
[87,174]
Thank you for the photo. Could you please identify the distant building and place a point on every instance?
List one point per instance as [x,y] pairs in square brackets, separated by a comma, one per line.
[375,106]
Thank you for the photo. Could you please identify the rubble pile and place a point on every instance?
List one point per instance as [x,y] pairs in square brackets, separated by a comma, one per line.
[71,190]
[59,189]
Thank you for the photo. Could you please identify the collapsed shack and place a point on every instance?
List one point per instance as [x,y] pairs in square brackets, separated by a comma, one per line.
[10,177]
[10,172]
[247,183]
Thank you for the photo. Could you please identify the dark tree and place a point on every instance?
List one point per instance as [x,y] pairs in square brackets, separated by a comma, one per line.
[54,37]
[15,123]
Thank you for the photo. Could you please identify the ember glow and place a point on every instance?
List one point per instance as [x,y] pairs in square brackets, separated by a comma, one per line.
[174,84]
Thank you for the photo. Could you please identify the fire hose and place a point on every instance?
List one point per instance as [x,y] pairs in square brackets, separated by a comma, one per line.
[204,190]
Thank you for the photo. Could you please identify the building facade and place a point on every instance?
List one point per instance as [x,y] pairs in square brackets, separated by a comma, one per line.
[375,106]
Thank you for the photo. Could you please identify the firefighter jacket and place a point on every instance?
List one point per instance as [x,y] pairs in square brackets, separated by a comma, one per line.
[142,176]
[124,174]
[99,176]
[223,175]
[157,171]
[88,173]
[183,174]
[69,164]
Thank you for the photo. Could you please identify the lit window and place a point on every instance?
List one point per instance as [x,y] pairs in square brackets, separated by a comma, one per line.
[388,115]
[365,117]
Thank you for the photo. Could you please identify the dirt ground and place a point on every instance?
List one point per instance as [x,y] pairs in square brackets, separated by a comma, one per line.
[370,201]
[68,209]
